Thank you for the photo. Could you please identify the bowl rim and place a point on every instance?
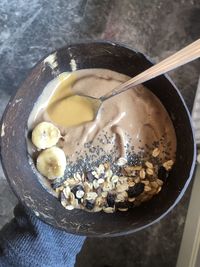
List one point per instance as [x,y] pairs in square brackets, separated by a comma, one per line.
[121,233]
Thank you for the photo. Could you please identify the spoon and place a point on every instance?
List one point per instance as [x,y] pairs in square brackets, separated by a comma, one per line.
[183,56]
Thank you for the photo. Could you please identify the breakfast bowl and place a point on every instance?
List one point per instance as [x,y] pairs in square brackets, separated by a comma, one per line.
[24,181]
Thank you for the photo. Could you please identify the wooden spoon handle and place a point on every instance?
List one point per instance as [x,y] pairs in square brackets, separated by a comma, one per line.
[185,55]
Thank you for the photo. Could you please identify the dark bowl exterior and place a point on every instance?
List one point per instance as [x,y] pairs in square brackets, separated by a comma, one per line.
[24,181]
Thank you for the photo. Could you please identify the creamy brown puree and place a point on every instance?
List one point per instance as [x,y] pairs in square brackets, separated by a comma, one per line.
[133,120]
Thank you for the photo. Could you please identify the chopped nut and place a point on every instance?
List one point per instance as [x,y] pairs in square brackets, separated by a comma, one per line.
[155,152]
[149,165]
[142,174]
[168,164]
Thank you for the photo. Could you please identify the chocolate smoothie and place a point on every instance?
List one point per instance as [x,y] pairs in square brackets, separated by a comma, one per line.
[131,130]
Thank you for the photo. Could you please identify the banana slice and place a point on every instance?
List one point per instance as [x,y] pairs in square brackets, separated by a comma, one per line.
[45,135]
[51,163]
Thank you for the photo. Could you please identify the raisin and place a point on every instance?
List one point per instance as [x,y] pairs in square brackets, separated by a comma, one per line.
[163,174]
[89,205]
[90,177]
[135,190]
[111,200]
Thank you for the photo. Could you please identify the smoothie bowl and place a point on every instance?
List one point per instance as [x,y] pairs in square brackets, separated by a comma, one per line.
[113,174]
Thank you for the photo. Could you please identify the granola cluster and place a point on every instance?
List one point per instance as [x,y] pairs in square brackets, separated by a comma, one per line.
[103,190]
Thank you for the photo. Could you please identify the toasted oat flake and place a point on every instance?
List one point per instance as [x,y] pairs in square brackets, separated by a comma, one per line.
[104,194]
[77,176]
[131,183]
[154,185]
[69,207]
[101,181]
[87,187]
[108,210]
[91,195]
[153,191]
[71,197]
[147,188]
[95,174]
[66,191]
[96,184]
[122,209]
[97,209]
[137,180]
[159,182]
[168,164]
[107,165]
[142,174]
[159,189]
[108,173]
[121,161]
[99,201]
[149,171]
[72,181]
[131,199]
[146,182]
[155,152]
[100,169]
[149,165]
[122,187]
[107,186]
[114,179]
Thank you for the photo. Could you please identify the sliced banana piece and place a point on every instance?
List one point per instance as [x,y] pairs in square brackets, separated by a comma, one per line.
[45,135]
[51,163]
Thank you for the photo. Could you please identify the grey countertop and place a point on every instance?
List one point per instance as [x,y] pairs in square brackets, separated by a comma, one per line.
[31,29]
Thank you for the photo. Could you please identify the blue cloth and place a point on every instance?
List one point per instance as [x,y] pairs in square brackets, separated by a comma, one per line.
[28,242]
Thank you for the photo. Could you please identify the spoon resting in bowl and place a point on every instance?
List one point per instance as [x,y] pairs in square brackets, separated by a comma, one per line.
[185,55]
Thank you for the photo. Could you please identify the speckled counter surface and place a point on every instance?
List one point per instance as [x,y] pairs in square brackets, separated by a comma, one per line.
[31,29]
